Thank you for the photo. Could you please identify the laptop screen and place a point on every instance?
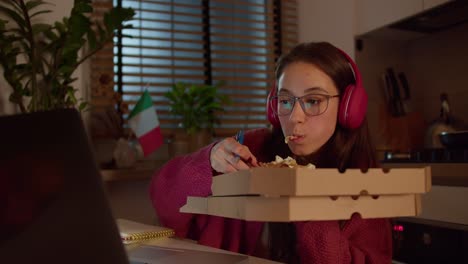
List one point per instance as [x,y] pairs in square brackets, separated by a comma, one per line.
[53,207]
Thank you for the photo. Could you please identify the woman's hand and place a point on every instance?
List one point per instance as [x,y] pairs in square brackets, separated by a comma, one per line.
[229,156]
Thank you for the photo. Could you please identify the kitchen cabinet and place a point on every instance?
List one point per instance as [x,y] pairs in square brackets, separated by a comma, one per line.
[374,14]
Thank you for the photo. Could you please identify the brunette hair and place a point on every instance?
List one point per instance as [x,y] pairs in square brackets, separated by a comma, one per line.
[347,148]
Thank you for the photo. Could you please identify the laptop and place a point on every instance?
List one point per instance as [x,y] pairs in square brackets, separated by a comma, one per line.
[53,207]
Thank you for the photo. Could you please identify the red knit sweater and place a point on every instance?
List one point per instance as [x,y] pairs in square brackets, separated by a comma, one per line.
[358,241]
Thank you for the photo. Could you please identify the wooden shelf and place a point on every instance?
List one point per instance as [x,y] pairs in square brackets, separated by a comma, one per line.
[139,172]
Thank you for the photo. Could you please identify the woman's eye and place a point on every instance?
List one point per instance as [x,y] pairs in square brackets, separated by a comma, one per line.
[312,101]
[284,102]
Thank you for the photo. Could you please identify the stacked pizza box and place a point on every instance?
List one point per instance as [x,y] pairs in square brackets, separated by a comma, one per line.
[303,194]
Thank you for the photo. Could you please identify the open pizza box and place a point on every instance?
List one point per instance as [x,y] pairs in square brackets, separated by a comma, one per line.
[302,194]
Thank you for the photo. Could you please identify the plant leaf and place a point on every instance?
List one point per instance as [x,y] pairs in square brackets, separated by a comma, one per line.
[92,40]
[81,7]
[60,27]
[3,24]
[15,4]
[82,106]
[34,3]
[40,28]
[50,34]
[40,13]
[47,73]
[19,20]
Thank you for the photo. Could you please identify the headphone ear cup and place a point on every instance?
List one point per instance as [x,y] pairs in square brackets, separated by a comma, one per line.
[353,107]
[271,106]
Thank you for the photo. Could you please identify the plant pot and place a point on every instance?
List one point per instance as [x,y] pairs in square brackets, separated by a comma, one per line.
[178,143]
[200,139]
[178,148]
[181,143]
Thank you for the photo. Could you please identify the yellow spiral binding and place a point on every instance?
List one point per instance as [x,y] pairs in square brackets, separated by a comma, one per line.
[147,236]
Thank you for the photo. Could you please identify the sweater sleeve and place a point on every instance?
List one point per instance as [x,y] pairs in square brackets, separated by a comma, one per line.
[191,175]
[361,241]
[183,176]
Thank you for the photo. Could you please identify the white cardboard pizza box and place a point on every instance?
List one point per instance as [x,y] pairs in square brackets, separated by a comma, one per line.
[318,182]
[304,208]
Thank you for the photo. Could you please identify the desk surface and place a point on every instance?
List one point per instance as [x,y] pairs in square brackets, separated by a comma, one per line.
[176,243]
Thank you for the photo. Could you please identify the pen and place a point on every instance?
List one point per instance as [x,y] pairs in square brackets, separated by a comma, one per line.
[239,138]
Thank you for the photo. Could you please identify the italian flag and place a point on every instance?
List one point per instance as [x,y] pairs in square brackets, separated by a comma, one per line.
[145,124]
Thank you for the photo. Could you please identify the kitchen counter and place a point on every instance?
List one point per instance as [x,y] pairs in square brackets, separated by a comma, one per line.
[445,174]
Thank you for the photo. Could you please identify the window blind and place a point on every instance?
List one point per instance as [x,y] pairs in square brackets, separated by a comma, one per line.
[201,41]
[242,54]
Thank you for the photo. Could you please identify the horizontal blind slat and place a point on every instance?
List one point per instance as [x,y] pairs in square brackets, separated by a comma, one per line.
[195,49]
[190,32]
[172,3]
[164,57]
[240,44]
[268,21]
[167,67]
[236,11]
[242,2]
[239,36]
[156,12]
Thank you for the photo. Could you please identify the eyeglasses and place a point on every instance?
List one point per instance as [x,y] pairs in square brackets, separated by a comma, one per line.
[311,104]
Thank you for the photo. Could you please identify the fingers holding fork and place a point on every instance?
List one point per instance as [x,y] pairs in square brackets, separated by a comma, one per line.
[244,152]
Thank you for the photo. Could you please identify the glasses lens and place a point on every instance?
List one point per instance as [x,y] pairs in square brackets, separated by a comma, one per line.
[285,104]
[314,104]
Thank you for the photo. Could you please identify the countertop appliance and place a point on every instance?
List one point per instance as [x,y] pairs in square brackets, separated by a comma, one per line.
[449,166]
[440,233]
[428,155]
[415,242]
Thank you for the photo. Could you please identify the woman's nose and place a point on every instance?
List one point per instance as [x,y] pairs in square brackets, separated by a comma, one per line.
[297,114]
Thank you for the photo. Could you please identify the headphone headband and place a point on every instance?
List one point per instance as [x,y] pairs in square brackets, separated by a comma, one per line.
[353,66]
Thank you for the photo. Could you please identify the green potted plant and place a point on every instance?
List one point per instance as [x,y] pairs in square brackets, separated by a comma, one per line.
[197,106]
[38,59]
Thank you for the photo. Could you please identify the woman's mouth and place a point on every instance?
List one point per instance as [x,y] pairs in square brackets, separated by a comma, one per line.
[293,138]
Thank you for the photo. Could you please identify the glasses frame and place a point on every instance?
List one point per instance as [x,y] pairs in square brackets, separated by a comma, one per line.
[301,103]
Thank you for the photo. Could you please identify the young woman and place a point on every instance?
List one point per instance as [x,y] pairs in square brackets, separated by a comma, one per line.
[310,107]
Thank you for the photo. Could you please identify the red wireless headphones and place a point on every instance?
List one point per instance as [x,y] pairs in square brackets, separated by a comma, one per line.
[353,102]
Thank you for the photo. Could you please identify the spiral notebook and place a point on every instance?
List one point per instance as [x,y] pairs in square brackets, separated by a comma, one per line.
[134,232]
